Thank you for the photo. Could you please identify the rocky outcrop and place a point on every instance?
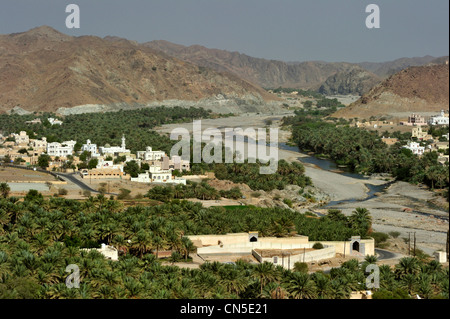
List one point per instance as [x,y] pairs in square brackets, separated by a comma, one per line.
[416,89]
[357,81]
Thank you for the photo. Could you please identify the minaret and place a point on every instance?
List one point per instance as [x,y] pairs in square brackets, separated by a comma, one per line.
[123,142]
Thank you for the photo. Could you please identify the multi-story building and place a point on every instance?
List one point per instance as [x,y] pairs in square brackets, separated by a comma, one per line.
[22,138]
[150,155]
[92,148]
[61,149]
[39,144]
[420,134]
[416,119]
[175,163]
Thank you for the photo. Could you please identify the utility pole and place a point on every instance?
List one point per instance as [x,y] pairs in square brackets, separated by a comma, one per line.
[409,244]
[447,246]
[344,247]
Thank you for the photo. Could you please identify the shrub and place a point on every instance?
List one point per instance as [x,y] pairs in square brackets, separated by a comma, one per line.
[301,267]
[124,194]
[379,237]
[394,234]
[62,191]
[256,194]
[396,294]
[287,202]
[317,246]
[86,193]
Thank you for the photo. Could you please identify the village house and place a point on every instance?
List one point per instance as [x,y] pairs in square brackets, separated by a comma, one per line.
[91,148]
[61,149]
[176,163]
[39,145]
[54,121]
[35,121]
[441,119]
[420,134]
[415,120]
[415,148]
[103,173]
[150,155]
[21,139]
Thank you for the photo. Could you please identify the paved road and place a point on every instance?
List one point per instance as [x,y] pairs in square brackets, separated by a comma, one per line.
[385,254]
[76,181]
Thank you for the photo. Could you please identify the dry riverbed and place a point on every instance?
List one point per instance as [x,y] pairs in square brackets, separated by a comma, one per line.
[402,207]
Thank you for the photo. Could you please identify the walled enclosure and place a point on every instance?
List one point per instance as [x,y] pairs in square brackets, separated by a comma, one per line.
[239,244]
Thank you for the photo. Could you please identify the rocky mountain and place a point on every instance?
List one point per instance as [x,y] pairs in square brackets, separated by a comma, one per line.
[45,70]
[386,69]
[266,73]
[356,81]
[304,75]
[416,89]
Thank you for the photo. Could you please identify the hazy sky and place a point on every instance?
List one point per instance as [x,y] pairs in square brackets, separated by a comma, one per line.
[288,30]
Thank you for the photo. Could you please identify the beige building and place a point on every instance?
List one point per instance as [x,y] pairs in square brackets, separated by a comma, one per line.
[176,163]
[22,139]
[279,251]
[103,173]
[420,134]
[415,120]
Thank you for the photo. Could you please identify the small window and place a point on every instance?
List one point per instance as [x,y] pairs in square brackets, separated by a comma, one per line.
[275,260]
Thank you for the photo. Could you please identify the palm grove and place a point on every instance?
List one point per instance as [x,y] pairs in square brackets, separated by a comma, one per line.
[39,237]
[364,152]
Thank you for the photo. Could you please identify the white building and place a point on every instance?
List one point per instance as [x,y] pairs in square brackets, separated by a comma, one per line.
[156,175]
[439,119]
[102,164]
[22,138]
[150,155]
[415,148]
[53,121]
[61,149]
[92,148]
[109,252]
[115,149]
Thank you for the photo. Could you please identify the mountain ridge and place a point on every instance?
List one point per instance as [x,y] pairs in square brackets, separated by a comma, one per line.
[44,70]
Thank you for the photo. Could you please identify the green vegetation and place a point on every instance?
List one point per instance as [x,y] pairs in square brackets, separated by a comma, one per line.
[107,128]
[317,246]
[248,173]
[40,237]
[364,152]
[201,191]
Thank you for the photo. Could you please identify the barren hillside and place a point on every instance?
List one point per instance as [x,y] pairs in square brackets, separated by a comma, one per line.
[416,89]
[43,70]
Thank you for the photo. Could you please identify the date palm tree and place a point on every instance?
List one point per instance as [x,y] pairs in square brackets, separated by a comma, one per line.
[265,273]
[407,266]
[4,190]
[300,286]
